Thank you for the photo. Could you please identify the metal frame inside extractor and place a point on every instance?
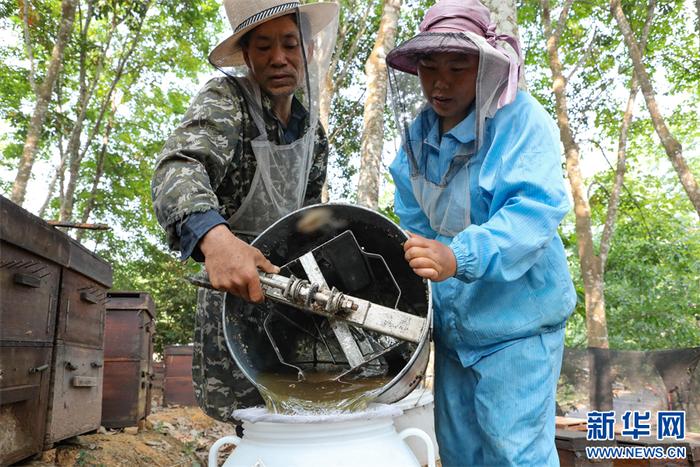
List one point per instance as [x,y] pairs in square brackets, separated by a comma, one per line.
[360,349]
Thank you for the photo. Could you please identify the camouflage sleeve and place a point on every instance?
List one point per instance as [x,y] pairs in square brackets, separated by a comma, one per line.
[196,158]
[317,176]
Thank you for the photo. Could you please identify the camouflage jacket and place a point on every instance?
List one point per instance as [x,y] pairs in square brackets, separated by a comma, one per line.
[208,162]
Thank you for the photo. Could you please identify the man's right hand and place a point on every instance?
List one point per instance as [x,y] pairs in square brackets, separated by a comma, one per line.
[232,264]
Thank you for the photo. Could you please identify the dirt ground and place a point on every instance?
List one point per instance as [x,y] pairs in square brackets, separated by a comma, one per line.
[172,436]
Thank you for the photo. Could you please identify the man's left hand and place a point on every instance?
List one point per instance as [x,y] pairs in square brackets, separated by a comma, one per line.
[429,258]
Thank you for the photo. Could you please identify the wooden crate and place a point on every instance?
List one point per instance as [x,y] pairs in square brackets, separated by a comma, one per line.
[75,405]
[128,359]
[32,255]
[571,447]
[52,315]
[177,385]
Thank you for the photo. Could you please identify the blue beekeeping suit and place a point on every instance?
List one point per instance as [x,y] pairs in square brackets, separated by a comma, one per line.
[499,322]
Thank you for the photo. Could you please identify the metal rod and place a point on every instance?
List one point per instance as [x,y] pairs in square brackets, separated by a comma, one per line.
[348,345]
[300,374]
[79,225]
[370,358]
[357,311]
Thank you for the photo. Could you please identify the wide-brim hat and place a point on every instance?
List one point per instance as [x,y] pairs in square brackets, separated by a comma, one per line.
[246,15]
[405,57]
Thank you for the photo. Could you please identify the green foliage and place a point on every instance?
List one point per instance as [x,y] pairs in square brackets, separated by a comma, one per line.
[170,41]
[85,458]
[652,279]
[164,277]
[652,274]
[359,21]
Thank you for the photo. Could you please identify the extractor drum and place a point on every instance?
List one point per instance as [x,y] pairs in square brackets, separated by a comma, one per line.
[360,253]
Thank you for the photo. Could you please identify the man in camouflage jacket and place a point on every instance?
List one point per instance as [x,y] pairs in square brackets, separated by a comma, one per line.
[203,176]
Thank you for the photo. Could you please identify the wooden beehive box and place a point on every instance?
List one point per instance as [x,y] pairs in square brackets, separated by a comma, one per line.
[75,406]
[177,385]
[128,372]
[51,338]
[32,255]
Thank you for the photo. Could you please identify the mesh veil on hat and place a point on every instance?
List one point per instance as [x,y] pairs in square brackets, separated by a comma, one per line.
[246,15]
[443,30]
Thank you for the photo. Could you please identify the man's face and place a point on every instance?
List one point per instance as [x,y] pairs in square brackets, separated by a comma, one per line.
[274,56]
[449,83]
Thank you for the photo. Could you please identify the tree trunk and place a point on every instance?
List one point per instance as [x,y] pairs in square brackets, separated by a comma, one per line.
[373,128]
[590,267]
[43,97]
[505,14]
[76,154]
[324,112]
[336,75]
[28,44]
[614,199]
[58,174]
[673,148]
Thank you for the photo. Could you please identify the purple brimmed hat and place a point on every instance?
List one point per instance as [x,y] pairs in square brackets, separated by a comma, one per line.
[444,29]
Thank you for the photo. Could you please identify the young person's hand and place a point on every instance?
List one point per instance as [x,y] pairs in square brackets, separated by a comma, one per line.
[232,264]
[429,258]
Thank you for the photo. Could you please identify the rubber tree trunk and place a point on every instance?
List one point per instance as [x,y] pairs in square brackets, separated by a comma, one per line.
[597,329]
[673,148]
[505,14]
[76,154]
[373,127]
[43,97]
[614,198]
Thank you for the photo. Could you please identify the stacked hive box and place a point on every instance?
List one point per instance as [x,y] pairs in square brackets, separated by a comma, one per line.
[76,403]
[52,314]
[177,386]
[126,398]
[31,255]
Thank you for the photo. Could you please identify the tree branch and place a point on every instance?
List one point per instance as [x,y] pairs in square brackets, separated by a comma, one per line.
[67,205]
[353,47]
[671,145]
[561,22]
[614,200]
[43,96]
[99,171]
[546,18]
[28,45]
[339,44]
[584,56]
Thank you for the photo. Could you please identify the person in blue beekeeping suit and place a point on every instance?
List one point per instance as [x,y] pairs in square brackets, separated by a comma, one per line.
[249,150]
[479,186]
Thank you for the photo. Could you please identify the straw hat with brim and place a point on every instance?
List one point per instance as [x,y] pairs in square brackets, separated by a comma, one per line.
[246,15]
[405,57]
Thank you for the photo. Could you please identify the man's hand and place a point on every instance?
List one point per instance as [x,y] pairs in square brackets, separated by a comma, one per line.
[429,258]
[233,265]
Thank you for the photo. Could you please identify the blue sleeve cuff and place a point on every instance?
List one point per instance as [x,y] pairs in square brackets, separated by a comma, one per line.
[193,228]
[466,261]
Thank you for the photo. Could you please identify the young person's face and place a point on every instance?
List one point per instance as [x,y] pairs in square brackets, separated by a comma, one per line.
[274,56]
[449,84]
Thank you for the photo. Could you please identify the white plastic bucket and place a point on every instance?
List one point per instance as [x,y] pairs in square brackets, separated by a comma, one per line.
[365,439]
[418,412]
